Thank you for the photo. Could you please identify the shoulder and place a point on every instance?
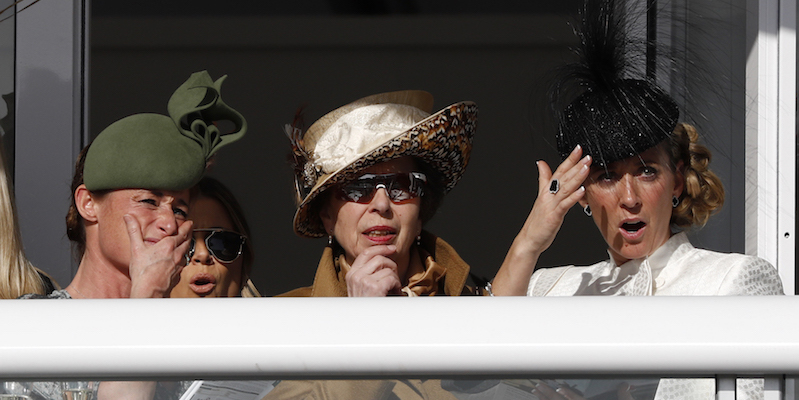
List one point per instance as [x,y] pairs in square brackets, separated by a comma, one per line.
[735,273]
[550,281]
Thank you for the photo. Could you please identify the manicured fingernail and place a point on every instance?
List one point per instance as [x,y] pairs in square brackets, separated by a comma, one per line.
[586,159]
[582,188]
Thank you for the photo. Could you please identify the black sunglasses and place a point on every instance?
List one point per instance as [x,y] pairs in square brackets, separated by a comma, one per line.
[400,187]
[223,245]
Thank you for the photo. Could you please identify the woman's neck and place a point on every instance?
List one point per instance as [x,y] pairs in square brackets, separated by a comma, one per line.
[99,279]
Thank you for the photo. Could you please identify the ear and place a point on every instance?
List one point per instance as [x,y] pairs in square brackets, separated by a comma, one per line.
[86,203]
[583,200]
[327,217]
[679,179]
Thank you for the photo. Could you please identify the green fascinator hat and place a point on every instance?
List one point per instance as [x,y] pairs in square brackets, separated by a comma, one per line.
[154,151]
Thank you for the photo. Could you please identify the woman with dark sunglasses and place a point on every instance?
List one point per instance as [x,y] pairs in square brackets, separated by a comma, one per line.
[369,175]
[220,257]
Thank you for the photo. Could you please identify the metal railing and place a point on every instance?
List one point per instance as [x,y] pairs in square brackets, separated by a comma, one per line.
[469,337]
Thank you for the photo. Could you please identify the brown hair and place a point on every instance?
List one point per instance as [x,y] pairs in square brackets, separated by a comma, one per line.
[76,232]
[703,193]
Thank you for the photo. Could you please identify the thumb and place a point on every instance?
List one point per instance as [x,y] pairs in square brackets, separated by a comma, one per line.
[544,175]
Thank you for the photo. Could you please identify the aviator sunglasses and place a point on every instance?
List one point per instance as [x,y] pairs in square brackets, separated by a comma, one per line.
[400,187]
[223,245]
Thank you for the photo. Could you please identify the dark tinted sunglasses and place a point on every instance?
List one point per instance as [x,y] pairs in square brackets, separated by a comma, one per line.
[223,245]
[400,187]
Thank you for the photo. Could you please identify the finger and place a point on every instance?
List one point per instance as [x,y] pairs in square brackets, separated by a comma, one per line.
[185,230]
[372,267]
[383,250]
[134,232]
[377,284]
[182,240]
[375,257]
[544,176]
[575,175]
[570,161]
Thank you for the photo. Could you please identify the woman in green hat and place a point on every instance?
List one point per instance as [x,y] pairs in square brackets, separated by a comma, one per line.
[131,193]
[131,197]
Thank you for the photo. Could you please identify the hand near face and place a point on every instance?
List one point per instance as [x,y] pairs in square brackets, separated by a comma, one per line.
[544,221]
[373,273]
[155,267]
[549,209]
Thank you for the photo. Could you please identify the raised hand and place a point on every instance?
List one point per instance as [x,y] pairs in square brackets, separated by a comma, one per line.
[155,267]
[373,273]
[557,193]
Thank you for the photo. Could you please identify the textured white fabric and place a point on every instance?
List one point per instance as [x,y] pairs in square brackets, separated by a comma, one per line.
[675,269]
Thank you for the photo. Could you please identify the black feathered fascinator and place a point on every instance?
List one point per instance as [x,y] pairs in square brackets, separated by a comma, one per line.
[599,102]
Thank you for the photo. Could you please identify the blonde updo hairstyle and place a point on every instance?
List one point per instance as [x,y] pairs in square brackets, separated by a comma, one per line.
[703,193]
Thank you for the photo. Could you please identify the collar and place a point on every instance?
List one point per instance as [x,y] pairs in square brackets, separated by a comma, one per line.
[638,277]
[329,280]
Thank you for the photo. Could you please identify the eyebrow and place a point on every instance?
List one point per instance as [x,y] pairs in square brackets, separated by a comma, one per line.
[181,202]
[178,202]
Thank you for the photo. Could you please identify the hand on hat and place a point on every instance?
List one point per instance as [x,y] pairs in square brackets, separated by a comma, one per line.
[373,273]
[155,269]
[544,221]
[550,208]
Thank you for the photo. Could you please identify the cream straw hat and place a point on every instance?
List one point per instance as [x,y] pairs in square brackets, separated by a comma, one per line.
[374,129]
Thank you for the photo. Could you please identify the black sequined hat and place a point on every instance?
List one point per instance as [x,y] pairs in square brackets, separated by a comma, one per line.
[611,114]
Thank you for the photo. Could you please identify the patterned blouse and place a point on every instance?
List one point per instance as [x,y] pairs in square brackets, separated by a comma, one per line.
[675,269]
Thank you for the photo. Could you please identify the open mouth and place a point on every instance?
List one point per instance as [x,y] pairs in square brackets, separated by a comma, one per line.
[202,283]
[633,227]
[380,234]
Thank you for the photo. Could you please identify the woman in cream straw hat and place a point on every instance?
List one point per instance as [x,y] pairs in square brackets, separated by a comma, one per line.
[369,175]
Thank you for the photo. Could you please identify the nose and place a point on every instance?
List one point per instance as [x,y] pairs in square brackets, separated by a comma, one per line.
[380,203]
[166,221]
[201,253]
[629,192]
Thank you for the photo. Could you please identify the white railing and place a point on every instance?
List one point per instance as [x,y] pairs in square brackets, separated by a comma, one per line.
[373,338]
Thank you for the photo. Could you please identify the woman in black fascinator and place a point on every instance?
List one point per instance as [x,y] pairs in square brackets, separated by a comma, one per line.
[640,174]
